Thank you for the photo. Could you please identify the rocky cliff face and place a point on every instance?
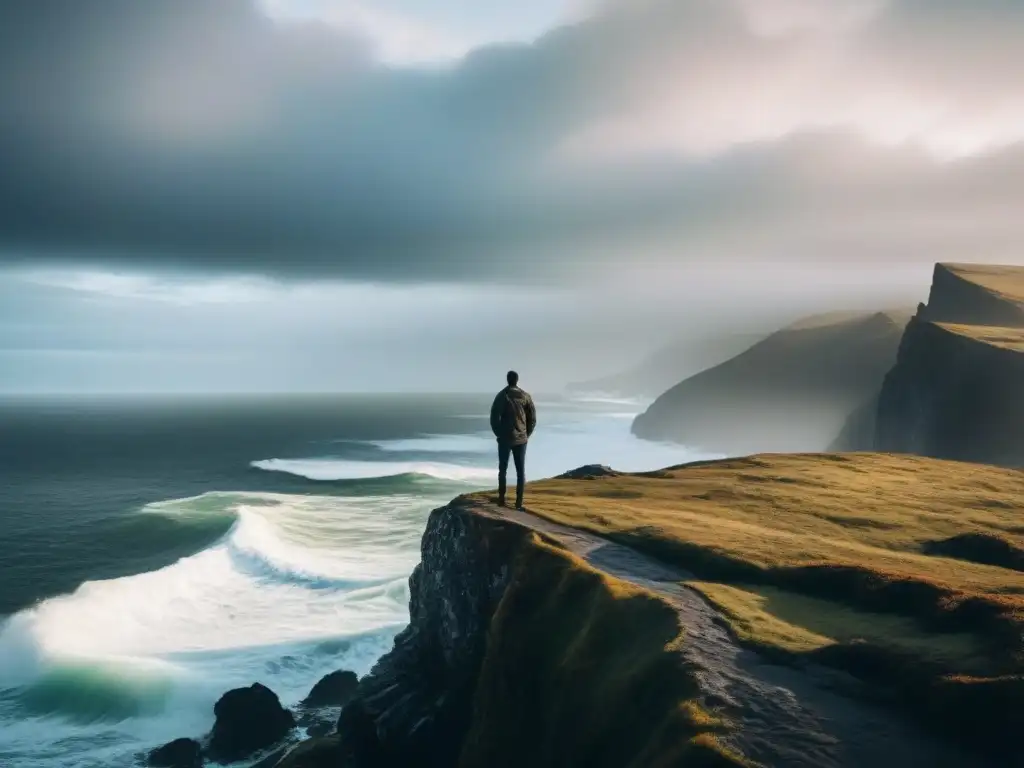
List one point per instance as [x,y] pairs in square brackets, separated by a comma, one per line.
[414,708]
[954,392]
[515,656]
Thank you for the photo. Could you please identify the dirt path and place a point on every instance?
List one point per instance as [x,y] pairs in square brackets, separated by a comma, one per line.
[783,716]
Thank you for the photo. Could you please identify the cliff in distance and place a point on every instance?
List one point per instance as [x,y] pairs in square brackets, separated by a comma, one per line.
[955,390]
[669,365]
[789,392]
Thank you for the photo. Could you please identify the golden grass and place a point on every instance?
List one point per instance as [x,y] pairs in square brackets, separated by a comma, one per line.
[1005,281]
[563,683]
[996,336]
[777,512]
[805,553]
[778,619]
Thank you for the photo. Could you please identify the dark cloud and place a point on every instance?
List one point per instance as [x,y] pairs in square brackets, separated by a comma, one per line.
[201,134]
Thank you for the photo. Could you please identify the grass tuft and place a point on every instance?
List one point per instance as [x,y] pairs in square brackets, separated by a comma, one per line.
[984,548]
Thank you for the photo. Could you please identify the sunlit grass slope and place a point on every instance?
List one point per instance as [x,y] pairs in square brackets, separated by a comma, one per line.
[902,570]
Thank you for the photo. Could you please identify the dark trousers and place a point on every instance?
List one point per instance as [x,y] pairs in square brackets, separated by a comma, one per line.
[519,457]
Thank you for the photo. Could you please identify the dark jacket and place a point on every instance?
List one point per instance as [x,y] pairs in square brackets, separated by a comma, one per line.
[513,417]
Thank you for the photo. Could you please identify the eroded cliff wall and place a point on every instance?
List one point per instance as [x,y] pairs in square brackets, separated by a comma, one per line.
[515,655]
[955,391]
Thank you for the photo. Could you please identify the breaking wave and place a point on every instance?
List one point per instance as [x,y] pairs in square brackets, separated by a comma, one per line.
[296,587]
[343,469]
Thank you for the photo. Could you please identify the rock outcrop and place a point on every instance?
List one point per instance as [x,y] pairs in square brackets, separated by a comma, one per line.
[954,392]
[588,472]
[248,720]
[790,392]
[318,712]
[333,690]
[415,705]
[180,753]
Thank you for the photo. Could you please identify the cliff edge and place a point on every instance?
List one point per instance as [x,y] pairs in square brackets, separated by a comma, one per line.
[785,610]
[789,392]
[955,389]
[518,652]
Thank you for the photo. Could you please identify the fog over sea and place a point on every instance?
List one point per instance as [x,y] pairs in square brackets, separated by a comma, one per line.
[158,551]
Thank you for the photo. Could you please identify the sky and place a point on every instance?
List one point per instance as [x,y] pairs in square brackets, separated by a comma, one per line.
[324,195]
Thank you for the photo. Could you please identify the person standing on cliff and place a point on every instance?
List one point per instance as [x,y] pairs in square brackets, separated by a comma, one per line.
[513,419]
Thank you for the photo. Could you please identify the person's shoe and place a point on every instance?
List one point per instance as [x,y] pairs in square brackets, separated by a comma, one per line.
[519,506]
[501,502]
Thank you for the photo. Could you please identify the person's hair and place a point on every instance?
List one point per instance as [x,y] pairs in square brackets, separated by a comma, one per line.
[512,378]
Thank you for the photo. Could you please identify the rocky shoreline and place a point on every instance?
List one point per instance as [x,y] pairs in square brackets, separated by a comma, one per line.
[250,723]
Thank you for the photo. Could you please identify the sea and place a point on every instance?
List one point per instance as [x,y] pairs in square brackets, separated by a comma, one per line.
[157,551]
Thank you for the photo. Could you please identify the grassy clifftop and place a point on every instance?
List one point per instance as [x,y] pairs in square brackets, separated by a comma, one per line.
[1004,281]
[905,571]
[1011,339]
[977,294]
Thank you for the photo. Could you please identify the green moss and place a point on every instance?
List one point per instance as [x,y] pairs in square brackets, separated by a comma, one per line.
[583,669]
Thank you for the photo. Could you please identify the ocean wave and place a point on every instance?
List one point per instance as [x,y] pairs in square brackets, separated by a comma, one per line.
[257,548]
[96,690]
[344,469]
[477,443]
[103,712]
[291,569]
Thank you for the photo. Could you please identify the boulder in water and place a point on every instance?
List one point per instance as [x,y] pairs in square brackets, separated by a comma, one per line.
[248,720]
[180,753]
[333,690]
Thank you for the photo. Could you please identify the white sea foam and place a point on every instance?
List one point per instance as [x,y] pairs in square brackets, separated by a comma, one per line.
[345,469]
[300,586]
[480,443]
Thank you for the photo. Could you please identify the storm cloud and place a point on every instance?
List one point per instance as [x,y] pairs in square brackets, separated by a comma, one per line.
[214,136]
